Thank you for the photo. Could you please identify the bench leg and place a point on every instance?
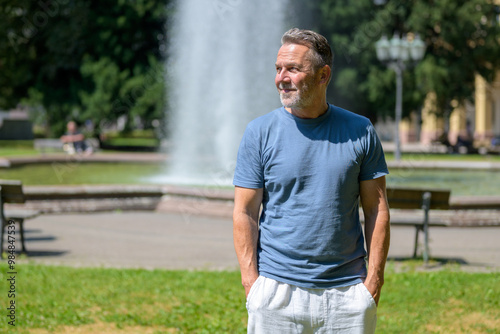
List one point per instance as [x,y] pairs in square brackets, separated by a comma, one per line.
[4,224]
[417,231]
[21,230]
[21,234]
[426,205]
[426,242]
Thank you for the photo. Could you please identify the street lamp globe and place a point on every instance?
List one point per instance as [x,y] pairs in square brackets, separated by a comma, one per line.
[396,46]
[417,48]
[400,49]
[382,48]
[404,51]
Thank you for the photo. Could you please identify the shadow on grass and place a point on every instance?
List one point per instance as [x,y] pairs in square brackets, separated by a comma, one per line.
[440,261]
[410,264]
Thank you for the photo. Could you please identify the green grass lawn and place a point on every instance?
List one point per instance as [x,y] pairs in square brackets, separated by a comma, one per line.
[444,157]
[75,172]
[153,142]
[25,147]
[53,299]
[460,182]
[16,147]
[11,152]
[13,148]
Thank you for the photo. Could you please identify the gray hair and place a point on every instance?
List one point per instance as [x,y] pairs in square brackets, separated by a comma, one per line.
[321,53]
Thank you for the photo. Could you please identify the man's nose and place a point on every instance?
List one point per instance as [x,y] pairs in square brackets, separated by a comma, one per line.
[283,76]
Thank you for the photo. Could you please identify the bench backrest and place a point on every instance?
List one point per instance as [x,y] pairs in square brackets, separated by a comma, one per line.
[11,191]
[405,198]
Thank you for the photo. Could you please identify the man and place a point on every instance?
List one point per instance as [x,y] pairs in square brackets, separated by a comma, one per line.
[74,140]
[309,164]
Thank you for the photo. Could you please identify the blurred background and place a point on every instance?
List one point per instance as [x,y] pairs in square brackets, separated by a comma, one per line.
[127,73]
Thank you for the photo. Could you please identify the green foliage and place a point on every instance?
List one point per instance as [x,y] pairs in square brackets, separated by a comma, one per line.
[461,39]
[106,78]
[67,57]
[344,24]
[101,60]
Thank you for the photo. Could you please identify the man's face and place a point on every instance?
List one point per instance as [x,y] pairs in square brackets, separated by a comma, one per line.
[71,127]
[295,78]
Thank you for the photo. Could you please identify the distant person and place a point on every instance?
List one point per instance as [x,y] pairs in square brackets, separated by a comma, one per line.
[310,164]
[74,140]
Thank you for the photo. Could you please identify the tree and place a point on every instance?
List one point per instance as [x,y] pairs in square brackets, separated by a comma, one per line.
[461,38]
[462,41]
[351,27]
[82,59]
[118,92]
[72,54]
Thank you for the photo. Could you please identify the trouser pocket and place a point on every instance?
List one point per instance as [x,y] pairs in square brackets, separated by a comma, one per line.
[254,287]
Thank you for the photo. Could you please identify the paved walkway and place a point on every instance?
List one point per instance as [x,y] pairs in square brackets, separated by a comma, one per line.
[190,241]
[175,241]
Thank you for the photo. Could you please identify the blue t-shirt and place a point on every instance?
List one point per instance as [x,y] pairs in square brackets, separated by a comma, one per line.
[309,231]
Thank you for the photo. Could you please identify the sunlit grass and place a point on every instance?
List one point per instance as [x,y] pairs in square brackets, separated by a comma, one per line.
[74,172]
[460,182]
[445,157]
[16,147]
[142,301]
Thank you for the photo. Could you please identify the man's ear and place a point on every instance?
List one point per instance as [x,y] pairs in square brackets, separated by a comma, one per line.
[325,73]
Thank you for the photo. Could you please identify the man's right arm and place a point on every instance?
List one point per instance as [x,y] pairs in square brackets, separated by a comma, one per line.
[246,232]
[72,138]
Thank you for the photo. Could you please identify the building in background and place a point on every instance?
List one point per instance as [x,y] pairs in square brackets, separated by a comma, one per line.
[474,124]
[15,125]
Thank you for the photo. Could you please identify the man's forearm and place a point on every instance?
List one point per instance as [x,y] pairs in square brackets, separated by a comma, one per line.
[245,234]
[377,230]
[72,138]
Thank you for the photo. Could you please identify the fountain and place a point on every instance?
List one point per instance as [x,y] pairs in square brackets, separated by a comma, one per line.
[220,75]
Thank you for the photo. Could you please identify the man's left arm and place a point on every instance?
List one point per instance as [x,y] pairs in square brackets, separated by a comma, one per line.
[377,232]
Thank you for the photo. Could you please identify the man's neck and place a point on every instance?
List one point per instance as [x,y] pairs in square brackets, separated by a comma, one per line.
[309,112]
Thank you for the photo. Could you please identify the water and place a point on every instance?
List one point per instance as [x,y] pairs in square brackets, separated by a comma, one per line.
[220,76]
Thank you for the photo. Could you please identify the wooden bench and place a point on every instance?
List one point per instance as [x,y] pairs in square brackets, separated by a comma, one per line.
[11,191]
[43,145]
[425,199]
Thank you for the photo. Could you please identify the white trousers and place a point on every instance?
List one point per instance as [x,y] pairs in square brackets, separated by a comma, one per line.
[280,308]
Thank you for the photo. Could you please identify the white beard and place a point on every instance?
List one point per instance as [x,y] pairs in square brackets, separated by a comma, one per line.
[297,98]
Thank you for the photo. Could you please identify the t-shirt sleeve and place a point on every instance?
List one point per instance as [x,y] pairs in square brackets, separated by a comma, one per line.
[373,165]
[249,172]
